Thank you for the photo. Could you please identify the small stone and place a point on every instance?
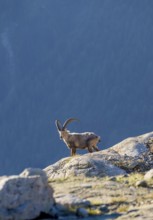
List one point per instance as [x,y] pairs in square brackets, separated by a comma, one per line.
[126,175]
[104,208]
[126,182]
[149,175]
[53,212]
[81,212]
[61,209]
[132,188]
[113,178]
[141,183]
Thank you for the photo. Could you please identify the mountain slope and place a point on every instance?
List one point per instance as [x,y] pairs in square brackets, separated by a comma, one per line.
[84,59]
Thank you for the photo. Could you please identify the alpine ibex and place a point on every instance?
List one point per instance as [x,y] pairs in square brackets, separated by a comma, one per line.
[86,140]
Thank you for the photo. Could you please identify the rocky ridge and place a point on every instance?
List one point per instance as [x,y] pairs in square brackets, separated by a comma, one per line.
[116,183]
[132,154]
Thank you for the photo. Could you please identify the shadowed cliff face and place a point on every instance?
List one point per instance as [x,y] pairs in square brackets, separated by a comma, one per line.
[84,59]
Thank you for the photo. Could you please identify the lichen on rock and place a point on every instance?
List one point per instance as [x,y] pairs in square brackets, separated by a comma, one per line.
[87,165]
[25,196]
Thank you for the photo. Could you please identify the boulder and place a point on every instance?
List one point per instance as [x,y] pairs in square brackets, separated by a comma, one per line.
[132,154]
[135,146]
[140,163]
[25,196]
[149,175]
[88,165]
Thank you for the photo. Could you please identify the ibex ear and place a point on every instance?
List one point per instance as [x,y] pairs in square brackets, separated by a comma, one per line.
[58,125]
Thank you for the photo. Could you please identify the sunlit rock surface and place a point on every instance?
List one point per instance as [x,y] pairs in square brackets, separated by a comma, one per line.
[25,196]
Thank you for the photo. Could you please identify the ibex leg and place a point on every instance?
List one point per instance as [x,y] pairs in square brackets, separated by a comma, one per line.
[95,148]
[73,151]
[90,149]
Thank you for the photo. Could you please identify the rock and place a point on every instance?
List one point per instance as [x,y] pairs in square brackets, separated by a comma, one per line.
[149,144]
[25,196]
[62,210]
[88,165]
[134,146]
[113,178]
[81,212]
[72,200]
[141,183]
[104,208]
[53,212]
[34,172]
[132,154]
[149,175]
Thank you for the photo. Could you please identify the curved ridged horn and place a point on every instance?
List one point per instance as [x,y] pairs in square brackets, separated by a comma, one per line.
[69,121]
[58,125]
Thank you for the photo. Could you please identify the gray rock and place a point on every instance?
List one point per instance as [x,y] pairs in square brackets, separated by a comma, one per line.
[133,146]
[34,172]
[104,208]
[62,210]
[88,165]
[113,178]
[72,200]
[149,144]
[149,175]
[25,196]
[132,154]
[54,212]
[141,183]
[81,212]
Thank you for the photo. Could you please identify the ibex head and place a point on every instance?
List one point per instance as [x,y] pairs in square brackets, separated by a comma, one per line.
[62,129]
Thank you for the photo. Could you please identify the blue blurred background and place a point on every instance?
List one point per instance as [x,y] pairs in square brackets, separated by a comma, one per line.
[92,60]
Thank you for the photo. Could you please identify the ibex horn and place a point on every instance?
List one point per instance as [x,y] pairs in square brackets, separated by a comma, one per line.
[58,125]
[69,121]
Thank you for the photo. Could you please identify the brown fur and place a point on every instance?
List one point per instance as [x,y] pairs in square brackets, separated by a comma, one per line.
[74,141]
